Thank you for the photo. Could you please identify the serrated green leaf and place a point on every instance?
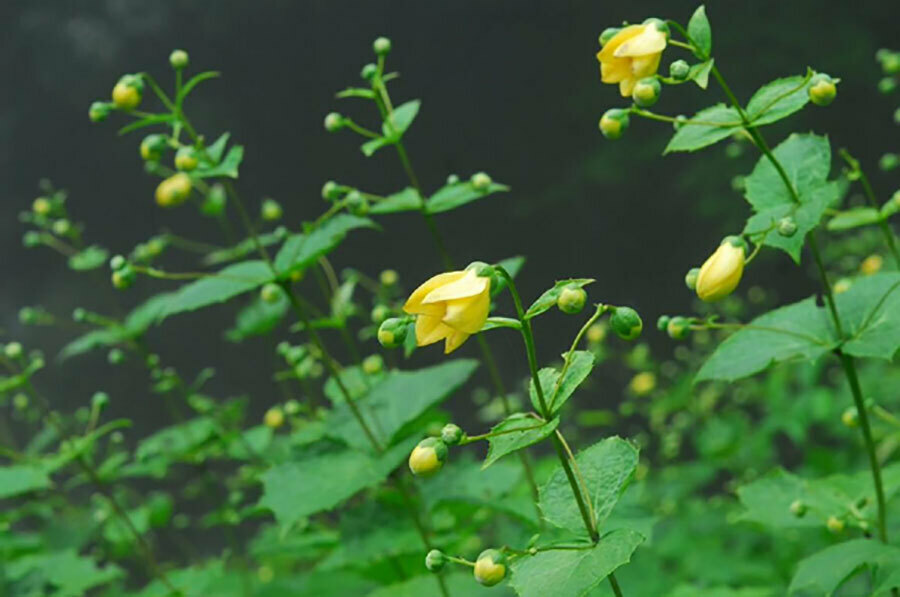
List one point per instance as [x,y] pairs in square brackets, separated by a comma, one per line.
[606,468]
[69,574]
[462,481]
[854,218]
[826,570]
[406,200]
[22,478]
[570,572]
[556,391]
[700,32]
[453,195]
[244,248]
[531,431]
[257,319]
[371,532]
[549,298]
[302,250]
[870,313]
[89,258]
[709,126]
[806,160]
[778,99]
[218,287]
[699,73]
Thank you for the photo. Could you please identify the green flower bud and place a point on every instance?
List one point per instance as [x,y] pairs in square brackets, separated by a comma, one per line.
[787,226]
[274,418]
[388,277]
[178,59]
[333,122]
[626,323]
[822,90]
[571,300]
[392,332]
[381,45]
[356,203]
[271,293]
[897,116]
[62,227]
[13,350]
[186,159]
[41,206]
[890,61]
[435,560]
[152,361]
[663,322]
[660,25]
[480,181]
[690,278]
[490,567]
[613,123]
[31,239]
[428,457]
[452,434]
[678,327]
[123,277]
[117,262]
[214,203]
[369,71]
[380,313]
[153,146]
[834,524]
[292,407]
[679,122]
[331,191]
[798,508]
[79,314]
[734,150]
[850,417]
[608,34]
[115,356]
[28,316]
[373,364]
[99,401]
[679,70]
[646,92]
[20,401]
[127,93]
[887,85]
[174,190]
[452,179]
[889,161]
[270,210]
[99,111]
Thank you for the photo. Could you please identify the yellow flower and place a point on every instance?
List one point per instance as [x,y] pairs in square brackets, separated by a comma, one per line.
[871,265]
[632,54]
[451,307]
[721,273]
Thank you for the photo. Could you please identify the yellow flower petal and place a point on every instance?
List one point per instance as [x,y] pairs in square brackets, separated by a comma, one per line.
[618,39]
[454,341]
[615,70]
[650,40]
[414,302]
[626,86]
[468,314]
[721,273]
[471,284]
[645,66]
[430,330]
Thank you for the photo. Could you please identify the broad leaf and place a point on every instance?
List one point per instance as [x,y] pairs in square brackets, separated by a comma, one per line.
[71,575]
[706,127]
[549,298]
[557,391]
[573,572]
[826,570]
[219,287]
[606,468]
[370,532]
[406,200]
[530,431]
[22,478]
[700,32]
[453,195]
[458,583]
[302,250]
[257,319]
[778,99]
[870,313]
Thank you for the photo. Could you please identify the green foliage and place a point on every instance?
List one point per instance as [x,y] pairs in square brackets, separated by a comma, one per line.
[704,128]
[516,432]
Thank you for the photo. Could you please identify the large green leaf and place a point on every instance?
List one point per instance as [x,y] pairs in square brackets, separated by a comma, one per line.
[870,312]
[453,195]
[369,532]
[800,331]
[606,468]
[778,99]
[462,480]
[21,478]
[709,126]
[826,570]
[302,250]
[557,391]
[219,287]
[516,432]
[573,572]
[294,490]
[69,574]
[399,398]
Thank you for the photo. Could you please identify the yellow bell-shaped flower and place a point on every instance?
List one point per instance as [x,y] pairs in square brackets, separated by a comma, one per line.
[632,54]
[451,307]
[722,272]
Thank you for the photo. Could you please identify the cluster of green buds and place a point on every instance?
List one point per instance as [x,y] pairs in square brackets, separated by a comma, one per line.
[349,198]
[677,327]
[490,567]
[123,274]
[430,454]
[304,360]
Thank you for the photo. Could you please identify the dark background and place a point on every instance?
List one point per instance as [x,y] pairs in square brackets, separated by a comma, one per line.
[509,87]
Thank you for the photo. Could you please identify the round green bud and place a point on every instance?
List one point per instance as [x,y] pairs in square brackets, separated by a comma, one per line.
[373,364]
[274,418]
[99,111]
[381,45]
[490,567]
[271,293]
[435,560]
[368,71]
[608,34]
[178,59]
[452,178]
[292,407]
[822,90]
[663,322]
[679,121]
[889,161]
[41,206]
[887,85]
[186,159]
[678,327]
[331,191]
[27,316]
[356,203]
[99,400]
[659,24]
[380,313]
[571,299]
[388,277]
[214,202]
[480,181]
[282,348]
[127,93]
[392,332]
[626,323]
[834,524]
[153,146]
[428,457]
[787,226]
[123,277]
[13,350]
[62,227]
[850,417]
[452,434]
[117,262]
[79,314]
[613,123]
[897,116]
[734,150]
[333,122]
[890,62]
[679,70]
[798,508]
[20,401]
[690,278]
[646,92]
[31,239]
[115,356]
[270,210]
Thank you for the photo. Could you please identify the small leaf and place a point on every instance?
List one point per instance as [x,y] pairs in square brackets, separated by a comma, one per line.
[549,298]
[711,125]
[531,432]
[854,218]
[244,248]
[227,167]
[700,33]
[453,195]
[219,287]
[145,122]
[356,92]
[406,200]
[257,319]
[89,258]
[370,147]
[217,149]
[193,82]
[402,117]
[699,73]
[302,250]
[778,99]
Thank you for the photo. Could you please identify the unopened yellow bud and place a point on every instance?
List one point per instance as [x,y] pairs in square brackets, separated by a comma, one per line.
[173,190]
[613,123]
[850,417]
[428,457]
[274,418]
[41,206]
[842,285]
[722,272]
[490,567]
[822,90]
[126,95]
[186,159]
[642,383]
[871,265]
[834,524]
[596,333]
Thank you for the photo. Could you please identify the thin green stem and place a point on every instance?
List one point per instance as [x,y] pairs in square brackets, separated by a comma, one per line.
[873,202]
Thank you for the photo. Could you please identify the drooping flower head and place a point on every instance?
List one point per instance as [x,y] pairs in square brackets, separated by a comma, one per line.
[450,307]
[632,54]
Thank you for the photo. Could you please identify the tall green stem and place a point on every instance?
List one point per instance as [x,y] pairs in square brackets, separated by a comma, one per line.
[889,239]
